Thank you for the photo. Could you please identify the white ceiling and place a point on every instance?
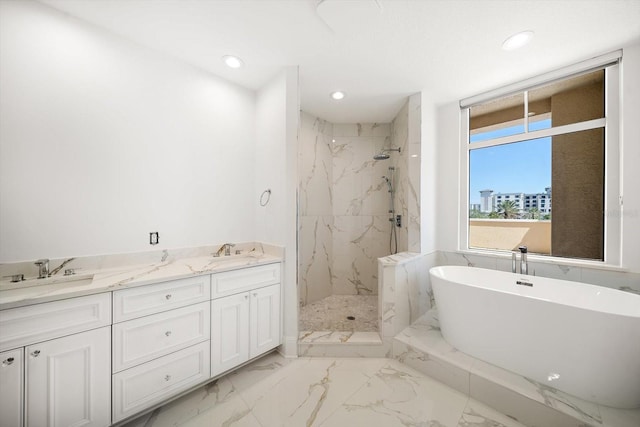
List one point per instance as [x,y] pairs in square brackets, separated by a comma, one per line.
[377,51]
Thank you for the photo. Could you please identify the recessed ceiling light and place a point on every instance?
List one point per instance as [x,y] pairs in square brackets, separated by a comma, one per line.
[232,61]
[338,95]
[517,40]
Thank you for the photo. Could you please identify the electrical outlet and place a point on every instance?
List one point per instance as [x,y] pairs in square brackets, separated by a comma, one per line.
[154,238]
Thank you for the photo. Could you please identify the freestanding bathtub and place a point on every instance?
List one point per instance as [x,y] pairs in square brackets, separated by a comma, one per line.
[578,338]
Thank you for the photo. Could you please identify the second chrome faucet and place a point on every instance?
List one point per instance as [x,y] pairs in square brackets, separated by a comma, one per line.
[226,248]
[43,268]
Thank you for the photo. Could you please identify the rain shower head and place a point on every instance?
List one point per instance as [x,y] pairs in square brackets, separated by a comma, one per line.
[382,155]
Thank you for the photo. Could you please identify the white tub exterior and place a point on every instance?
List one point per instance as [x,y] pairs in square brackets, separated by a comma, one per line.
[578,338]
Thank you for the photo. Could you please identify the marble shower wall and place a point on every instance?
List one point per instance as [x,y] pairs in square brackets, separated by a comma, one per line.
[344,201]
[360,207]
[406,134]
[315,233]
[400,161]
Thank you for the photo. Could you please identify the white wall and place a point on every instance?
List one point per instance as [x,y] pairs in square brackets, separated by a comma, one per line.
[103,141]
[631,157]
[277,117]
[447,165]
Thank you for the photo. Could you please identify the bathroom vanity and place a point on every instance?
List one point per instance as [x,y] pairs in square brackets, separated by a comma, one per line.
[130,345]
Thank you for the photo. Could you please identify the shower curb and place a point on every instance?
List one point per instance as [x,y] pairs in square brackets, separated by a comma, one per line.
[342,344]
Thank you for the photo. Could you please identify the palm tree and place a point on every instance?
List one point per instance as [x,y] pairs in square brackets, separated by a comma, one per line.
[533,213]
[508,209]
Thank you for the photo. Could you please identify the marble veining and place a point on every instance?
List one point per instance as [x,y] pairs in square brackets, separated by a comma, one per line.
[626,281]
[341,187]
[160,266]
[422,347]
[327,392]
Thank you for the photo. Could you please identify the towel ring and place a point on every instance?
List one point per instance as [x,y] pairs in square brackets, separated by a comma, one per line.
[264,202]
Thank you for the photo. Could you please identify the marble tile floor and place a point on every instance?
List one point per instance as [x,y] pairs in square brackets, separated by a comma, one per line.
[334,313]
[329,392]
[423,347]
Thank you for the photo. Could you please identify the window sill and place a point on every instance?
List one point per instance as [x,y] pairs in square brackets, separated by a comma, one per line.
[598,265]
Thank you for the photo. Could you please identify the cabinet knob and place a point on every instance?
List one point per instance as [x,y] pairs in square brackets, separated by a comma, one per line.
[168,296]
[8,361]
[35,353]
[168,333]
[246,297]
[167,377]
[255,294]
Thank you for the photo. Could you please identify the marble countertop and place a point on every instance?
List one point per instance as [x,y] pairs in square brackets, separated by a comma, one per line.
[125,276]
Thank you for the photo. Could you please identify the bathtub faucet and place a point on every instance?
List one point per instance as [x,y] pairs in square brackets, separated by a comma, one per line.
[524,266]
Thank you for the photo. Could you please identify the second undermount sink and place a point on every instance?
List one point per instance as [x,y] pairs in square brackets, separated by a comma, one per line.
[54,281]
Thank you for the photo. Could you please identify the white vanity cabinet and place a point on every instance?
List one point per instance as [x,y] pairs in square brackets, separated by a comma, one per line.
[11,387]
[68,381]
[99,359]
[64,363]
[245,315]
[161,342]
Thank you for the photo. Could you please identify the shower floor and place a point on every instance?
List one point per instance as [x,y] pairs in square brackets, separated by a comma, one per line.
[334,313]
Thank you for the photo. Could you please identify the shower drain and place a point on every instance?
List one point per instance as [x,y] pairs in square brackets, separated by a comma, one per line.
[351,317]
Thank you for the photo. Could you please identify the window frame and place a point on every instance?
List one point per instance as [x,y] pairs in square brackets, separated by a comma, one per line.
[613,198]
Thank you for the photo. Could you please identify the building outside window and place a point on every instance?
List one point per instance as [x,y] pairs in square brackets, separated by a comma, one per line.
[560,134]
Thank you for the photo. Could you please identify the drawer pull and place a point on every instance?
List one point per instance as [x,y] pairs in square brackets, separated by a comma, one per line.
[35,353]
[7,362]
[167,377]
[168,296]
[168,333]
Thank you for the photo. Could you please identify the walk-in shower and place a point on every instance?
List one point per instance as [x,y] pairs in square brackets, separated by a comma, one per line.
[345,209]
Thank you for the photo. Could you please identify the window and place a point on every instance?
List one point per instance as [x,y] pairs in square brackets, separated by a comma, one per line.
[555,134]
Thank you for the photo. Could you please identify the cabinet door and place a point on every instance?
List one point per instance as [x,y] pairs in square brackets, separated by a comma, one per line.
[229,332]
[68,381]
[264,325]
[11,373]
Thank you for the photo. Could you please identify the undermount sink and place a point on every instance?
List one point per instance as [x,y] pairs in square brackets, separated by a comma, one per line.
[57,281]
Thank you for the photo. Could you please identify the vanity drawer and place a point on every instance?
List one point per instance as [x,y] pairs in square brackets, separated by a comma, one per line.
[140,340]
[40,322]
[148,384]
[144,300]
[236,281]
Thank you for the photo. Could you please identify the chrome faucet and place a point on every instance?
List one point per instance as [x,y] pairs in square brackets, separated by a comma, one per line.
[524,266]
[226,248]
[43,268]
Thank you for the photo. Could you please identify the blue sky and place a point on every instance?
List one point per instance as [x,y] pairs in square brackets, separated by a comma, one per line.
[519,167]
